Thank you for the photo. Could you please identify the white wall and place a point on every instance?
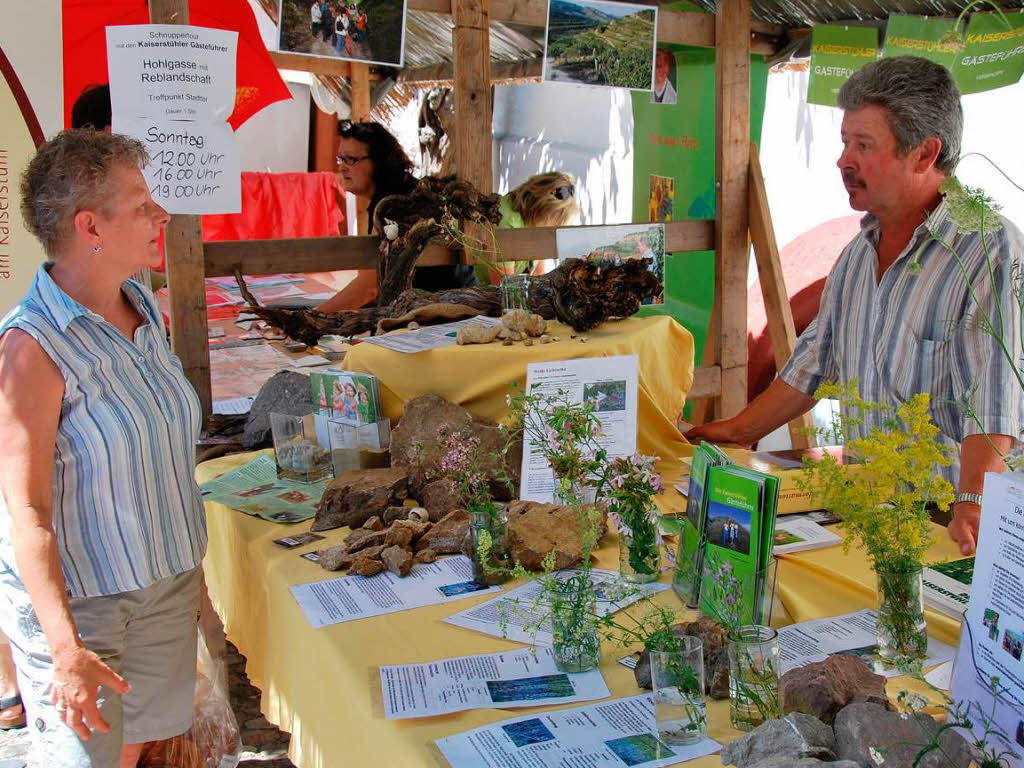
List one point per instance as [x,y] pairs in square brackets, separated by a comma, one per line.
[31,39]
[276,139]
[587,132]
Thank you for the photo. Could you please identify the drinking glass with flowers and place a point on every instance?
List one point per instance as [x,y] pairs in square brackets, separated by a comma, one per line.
[631,484]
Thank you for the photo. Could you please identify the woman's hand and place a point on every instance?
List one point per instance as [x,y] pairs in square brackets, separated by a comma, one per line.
[77,675]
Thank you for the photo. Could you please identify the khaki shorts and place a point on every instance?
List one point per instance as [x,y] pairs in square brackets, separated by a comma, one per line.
[148,636]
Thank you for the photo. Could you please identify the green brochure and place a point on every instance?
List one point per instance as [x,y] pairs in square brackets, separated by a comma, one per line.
[993,54]
[734,510]
[923,36]
[837,51]
[691,551]
[766,539]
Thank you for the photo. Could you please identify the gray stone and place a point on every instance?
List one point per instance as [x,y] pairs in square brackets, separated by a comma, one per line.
[285,392]
[795,736]
[898,738]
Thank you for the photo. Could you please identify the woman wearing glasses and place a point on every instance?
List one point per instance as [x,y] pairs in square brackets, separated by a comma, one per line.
[373,165]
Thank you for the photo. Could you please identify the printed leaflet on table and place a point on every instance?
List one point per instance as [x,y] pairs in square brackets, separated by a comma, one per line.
[256,490]
[614,733]
[431,337]
[523,678]
[610,383]
[800,535]
[947,586]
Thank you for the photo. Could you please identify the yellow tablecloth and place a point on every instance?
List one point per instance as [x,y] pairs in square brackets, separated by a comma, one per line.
[478,376]
[317,683]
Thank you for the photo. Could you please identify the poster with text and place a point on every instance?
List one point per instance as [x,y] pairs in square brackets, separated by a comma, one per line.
[927,37]
[368,31]
[993,53]
[837,51]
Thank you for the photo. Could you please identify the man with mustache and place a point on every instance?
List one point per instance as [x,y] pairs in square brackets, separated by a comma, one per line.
[896,311]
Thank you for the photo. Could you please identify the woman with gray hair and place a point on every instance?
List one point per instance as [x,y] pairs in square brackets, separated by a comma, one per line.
[102,530]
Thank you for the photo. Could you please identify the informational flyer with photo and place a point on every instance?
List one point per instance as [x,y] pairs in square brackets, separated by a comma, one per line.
[348,598]
[524,678]
[256,490]
[615,733]
[610,383]
[851,633]
[992,635]
[431,337]
[520,616]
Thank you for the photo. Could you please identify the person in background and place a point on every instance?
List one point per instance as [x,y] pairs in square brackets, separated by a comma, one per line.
[314,18]
[92,108]
[664,92]
[897,309]
[102,529]
[373,165]
[327,22]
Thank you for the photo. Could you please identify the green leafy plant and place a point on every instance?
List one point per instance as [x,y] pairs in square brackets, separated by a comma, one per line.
[632,483]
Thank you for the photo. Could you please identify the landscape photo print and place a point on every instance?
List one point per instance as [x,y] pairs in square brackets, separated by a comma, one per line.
[369,31]
[611,245]
[596,42]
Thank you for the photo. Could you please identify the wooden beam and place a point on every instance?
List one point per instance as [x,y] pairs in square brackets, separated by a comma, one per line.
[360,89]
[325,141]
[317,65]
[732,161]
[321,254]
[183,246]
[707,383]
[500,70]
[773,288]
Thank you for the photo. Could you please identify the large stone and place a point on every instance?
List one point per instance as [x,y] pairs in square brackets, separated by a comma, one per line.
[397,560]
[440,497]
[535,529]
[895,738]
[793,737]
[361,538]
[356,496]
[823,688]
[715,640]
[803,762]
[416,443]
[447,535]
[285,392]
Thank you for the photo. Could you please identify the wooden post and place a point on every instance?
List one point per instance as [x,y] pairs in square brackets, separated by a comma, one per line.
[732,159]
[359,83]
[183,250]
[773,288]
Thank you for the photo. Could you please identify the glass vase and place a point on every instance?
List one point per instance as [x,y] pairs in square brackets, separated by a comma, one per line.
[492,520]
[639,556]
[677,678]
[515,293]
[579,492]
[753,676]
[576,642]
[901,632]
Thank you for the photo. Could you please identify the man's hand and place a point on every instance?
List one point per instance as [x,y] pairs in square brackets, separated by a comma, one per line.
[963,528]
[77,675]
[723,431]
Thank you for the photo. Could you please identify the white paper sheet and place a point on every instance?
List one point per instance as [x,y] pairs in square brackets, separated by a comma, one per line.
[941,676]
[310,361]
[580,380]
[523,678]
[614,733]
[801,534]
[508,615]
[810,641]
[233,406]
[348,598]
[430,337]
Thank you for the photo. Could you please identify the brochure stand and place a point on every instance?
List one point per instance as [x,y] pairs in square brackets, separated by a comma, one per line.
[762,584]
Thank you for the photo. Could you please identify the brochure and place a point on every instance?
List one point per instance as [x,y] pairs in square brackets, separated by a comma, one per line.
[611,383]
[348,598]
[800,535]
[523,678]
[256,490]
[345,397]
[615,733]
[947,586]
[691,538]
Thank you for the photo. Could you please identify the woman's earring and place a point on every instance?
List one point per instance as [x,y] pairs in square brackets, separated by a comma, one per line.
[97,248]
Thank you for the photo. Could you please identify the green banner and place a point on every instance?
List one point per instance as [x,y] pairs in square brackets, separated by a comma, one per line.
[837,51]
[993,55]
[921,36]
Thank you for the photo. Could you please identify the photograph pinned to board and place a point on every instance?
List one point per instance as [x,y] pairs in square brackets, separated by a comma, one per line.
[664,76]
[662,198]
[595,42]
[368,31]
[612,245]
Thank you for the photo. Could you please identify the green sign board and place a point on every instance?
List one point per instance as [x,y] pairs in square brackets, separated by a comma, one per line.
[837,51]
[993,54]
[933,39]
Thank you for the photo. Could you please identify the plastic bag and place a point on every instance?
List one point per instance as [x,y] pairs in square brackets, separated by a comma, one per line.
[214,740]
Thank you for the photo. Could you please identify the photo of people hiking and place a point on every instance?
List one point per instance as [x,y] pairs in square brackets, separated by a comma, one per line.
[357,30]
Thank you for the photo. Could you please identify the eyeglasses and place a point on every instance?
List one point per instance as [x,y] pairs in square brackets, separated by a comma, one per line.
[350,160]
[561,193]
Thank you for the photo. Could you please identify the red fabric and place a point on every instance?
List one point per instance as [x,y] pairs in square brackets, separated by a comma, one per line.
[279,205]
[806,263]
[257,84]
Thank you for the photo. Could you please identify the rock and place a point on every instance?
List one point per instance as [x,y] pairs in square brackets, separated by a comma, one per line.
[415,444]
[440,497]
[398,560]
[371,553]
[534,529]
[398,536]
[415,527]
[716,654]
[642,671]
[285,392]
[803,762]
[394,513]
[362,538]
[477,333]
[795,736]
[524,322]
[861,726]
[425,556]
[447,535]
[825,687]
[356,496]
[374,524]
[364,566]
[336,558]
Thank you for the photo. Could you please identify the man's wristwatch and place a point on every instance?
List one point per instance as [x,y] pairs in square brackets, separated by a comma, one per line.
[973,498]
